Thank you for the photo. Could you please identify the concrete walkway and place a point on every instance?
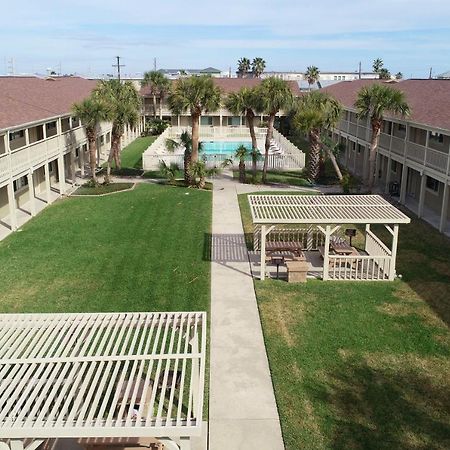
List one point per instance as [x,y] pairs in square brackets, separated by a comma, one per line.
[242,412]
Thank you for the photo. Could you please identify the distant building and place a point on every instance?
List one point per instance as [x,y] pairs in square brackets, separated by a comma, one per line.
[222,117]
[177,73]
[325,78]
[444,76]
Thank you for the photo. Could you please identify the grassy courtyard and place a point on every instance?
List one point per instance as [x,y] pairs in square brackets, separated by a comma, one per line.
[364,365]
[132,153]
[133,251]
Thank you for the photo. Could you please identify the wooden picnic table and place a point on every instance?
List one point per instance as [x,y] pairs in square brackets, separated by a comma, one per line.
[288,246]
[341,248]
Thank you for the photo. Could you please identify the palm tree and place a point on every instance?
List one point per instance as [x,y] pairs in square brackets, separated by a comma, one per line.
[124,103]
[372,103]
[158,84]
[316,112]
[377,65]
[185,143]
[258,66]
[243,67]
[241,153]
[91,111]
[312,75]
[275,95]
[398,76]
[247,102]
[194,94]
[384,74]
[198,171]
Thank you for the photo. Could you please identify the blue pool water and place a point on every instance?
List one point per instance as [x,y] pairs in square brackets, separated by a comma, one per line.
[223,147]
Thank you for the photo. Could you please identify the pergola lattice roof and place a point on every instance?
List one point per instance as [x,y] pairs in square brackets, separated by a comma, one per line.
[323,209]
[101,375]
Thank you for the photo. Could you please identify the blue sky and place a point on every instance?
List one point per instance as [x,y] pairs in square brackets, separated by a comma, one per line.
[85,35]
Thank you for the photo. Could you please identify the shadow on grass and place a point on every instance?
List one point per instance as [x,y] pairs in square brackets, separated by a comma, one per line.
[387,407]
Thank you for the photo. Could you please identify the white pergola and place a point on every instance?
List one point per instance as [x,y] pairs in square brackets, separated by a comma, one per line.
[328,213]
[102,375]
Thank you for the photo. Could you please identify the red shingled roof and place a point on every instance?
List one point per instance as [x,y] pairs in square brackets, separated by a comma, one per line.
[28,99]
[228,85]
[429,100]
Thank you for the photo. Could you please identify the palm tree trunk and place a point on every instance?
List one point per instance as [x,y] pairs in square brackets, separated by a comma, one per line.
[314,154]
[242,171]
[92,154]
[154,106]
[334,162]
[376,129]
[115,142]
[187,163]
[251,127]
[195,117]
[269,137]
[108,164]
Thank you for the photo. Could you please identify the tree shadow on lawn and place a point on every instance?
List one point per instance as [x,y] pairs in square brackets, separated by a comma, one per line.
[398,403]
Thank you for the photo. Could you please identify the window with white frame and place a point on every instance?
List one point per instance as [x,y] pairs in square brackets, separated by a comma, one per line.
[206,120]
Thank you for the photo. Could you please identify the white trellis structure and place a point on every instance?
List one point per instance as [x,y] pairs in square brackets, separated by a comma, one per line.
[102,375]
[328,213]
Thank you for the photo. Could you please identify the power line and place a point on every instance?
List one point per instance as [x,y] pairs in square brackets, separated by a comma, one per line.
[118,66]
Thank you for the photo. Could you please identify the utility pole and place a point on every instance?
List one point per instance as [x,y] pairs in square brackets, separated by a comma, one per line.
[118,66]
[431,71]
[154,64]
[359,70]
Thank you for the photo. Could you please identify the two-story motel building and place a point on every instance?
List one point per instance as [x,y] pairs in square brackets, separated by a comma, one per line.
[220,118]
[413,154]
[42,146]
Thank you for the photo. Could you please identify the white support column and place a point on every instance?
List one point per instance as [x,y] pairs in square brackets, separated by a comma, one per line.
[403,183]
[32,195]
[72,166]
[263,252]
[220,118]
[365,237]
[393,253]
[61,175]
[444,209]
[178,120]
[27,137]
[423,183]
[48,188]
[326,260]
[12,206]
[82,160]
[388,174]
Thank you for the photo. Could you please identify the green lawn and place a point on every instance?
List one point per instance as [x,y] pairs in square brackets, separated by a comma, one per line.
[132,153]
[359,365]
[141,250]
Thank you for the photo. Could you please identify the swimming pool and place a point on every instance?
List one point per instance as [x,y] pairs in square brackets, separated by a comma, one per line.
[223,147]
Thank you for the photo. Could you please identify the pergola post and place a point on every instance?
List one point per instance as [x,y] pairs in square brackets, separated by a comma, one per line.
[326,259]
[262,275]
[393,252]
